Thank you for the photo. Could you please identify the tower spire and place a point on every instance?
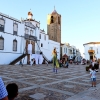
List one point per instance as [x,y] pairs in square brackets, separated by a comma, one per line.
[54,7]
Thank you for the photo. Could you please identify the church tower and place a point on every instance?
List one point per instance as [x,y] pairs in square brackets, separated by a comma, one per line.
[54,26]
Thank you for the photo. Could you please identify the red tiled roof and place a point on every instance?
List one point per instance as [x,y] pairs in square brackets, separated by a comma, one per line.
[64,55]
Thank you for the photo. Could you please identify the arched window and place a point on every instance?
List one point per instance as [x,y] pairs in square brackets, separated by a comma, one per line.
[1,43]
[26,30]
[15,28]
[31,32]
[58,20]
[52,19]
[15,45]
[2,23]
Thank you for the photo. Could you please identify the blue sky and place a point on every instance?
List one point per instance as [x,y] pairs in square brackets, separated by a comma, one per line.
[80,18]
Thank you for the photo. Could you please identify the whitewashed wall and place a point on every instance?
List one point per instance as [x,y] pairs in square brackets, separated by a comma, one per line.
[95,47]
[24,61]
[52,45]
[7,55]
[65,50]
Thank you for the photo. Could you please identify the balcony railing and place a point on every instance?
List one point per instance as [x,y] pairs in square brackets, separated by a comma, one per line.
[33,52]
[91,51]
[30,37]
[26,36]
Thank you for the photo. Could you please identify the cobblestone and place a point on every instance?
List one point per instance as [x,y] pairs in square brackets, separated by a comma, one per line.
[40,83]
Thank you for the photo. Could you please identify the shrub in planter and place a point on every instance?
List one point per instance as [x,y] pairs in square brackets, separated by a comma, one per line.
[87,68]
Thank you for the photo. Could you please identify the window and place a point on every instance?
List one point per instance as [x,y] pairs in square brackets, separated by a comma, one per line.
[2,23]
[26,31]
[58,20]
[39,36]
[41,45]
[66,50]
[44,37]
[1,43]
[31,32]
[15,45]
[15,28]
[97,50]
[52,19]
[91,48]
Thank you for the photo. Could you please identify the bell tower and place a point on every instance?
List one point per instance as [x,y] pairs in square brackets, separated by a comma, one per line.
[54,26]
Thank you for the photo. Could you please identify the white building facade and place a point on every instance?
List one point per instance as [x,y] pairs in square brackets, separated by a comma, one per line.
[70,51]
[15,35]
[92,50]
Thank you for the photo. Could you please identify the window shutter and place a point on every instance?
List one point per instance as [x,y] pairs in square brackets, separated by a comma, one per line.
[15,27]
[14,45]
[1,44]
[2,22]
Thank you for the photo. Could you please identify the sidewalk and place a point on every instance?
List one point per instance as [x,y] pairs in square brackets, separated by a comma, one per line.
[91,94]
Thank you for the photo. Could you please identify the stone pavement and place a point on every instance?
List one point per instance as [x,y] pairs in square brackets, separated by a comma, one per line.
[40,83]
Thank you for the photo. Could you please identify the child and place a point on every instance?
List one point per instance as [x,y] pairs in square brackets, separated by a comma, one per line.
[12,90]
[93,77]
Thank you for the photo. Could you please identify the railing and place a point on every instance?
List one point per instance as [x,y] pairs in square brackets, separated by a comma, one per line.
[26,36]
[30,37]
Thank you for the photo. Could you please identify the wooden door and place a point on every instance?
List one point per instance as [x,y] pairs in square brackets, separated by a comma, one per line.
[33,49]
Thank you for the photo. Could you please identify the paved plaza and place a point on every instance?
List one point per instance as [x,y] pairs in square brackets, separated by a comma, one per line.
[40,83]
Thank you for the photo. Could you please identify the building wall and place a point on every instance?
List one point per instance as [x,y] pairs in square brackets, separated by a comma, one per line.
[54,29]
[52,45]
[65,50]
[96,48]
[68,50]
[7,55]
[48,46]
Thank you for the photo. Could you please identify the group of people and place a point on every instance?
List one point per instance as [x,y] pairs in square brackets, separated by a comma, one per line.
[57,63]
[64,63]
[9,92]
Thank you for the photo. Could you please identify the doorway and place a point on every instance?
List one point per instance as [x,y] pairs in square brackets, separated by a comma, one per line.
[91,57]
[33,49]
